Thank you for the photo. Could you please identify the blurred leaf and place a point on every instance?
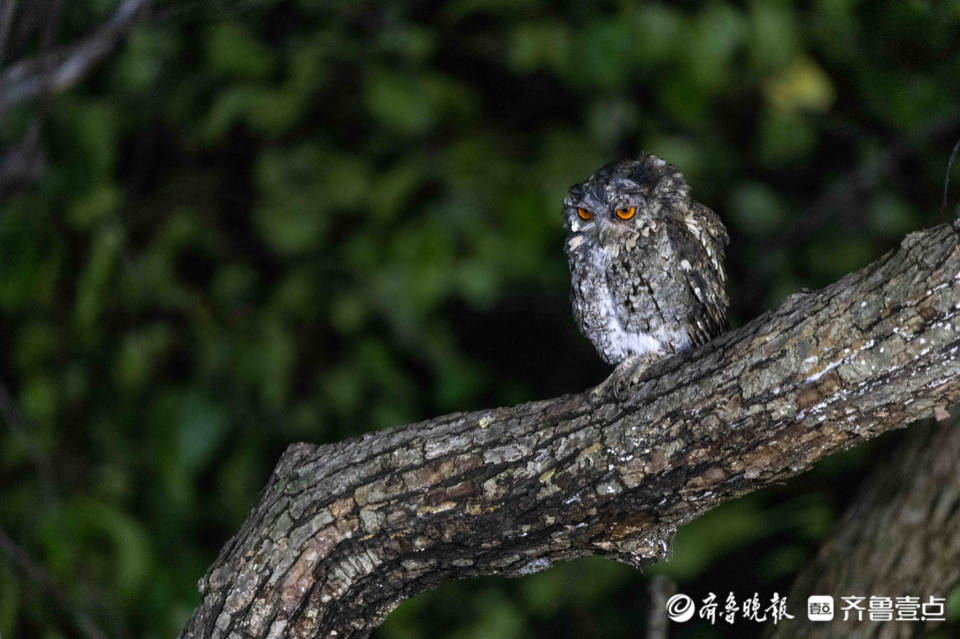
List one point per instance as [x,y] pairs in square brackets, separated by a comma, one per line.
[233,51]
[404,622]
[494,616]
[92,289]
[89,132]
[413,103]
[307,63]
[39,398]
[684,98]
[100,203]
[90,539]
[302,190]
[35,345]
[838,254]
[599,55]
[782,562]
[76,384]
[713,40]
[201,428]
[141,61]
[479,282]
[903,100]
[773,33]
[890,216]
[411,41]
[237,486]
[139,355]
[657,32]
[457,381]
[229,106]
[611,120]
[560,166]
[720,531]
[274,112]
[30,259]
[953,605]
[234,284]
[396,101]
[678,151]
[544,593]
[272,361]
[392,189]
[9,599]
[342,388]
[800,86]
[756,209]
[538,45]
[459,9]
[811,514]
[295,297]
[785,137]
[598,577]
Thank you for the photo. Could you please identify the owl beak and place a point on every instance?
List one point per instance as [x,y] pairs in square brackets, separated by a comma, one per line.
[605,234]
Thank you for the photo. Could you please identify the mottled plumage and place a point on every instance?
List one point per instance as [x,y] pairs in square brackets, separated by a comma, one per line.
[651,284]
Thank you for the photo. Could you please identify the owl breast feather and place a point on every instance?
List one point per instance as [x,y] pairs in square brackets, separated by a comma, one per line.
[648,295]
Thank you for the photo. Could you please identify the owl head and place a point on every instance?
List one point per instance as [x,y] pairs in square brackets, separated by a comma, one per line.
[623,197]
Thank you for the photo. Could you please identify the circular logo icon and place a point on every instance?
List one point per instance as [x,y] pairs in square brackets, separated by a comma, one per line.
[680,608]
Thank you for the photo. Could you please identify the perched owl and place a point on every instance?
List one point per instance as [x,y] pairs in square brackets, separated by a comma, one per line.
[646,261]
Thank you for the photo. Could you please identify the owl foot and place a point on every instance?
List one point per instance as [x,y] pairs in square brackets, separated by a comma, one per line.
[620,382]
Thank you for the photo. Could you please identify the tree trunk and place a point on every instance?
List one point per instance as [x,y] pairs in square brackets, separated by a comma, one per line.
[901,537]
[342,533]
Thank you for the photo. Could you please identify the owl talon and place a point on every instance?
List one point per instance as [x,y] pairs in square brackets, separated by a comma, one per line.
[625,375]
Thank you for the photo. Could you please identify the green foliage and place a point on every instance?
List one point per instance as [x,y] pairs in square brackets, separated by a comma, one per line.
[304,220]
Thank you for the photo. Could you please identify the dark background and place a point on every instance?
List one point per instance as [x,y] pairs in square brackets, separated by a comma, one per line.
[273,221]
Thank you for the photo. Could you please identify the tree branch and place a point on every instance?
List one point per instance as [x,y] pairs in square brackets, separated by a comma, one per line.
[660,590]
[58,70]
[900,537]
[343,532]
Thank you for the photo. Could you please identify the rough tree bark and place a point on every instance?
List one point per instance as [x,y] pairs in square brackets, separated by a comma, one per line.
[342,533]
[900,537]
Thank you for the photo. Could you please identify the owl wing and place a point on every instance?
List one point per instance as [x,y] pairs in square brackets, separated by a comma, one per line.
[669,283]
[703,238]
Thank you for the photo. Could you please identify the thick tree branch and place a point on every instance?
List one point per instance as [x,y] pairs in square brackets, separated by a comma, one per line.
[342,533]
[900,537]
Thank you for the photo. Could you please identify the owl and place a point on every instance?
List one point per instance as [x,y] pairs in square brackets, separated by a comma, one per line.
[646,262]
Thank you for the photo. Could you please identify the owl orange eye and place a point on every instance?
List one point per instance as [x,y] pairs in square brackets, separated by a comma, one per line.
[626,214]
[584,214]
